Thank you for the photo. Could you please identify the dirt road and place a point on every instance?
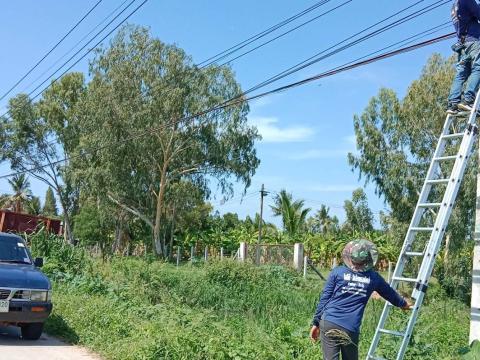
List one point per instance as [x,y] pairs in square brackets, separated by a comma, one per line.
[12,347]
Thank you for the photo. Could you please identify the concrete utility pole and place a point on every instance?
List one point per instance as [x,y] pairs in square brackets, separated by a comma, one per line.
[475,303]
[263,193]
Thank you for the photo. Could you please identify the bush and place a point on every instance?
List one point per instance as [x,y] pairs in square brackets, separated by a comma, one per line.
[60,258]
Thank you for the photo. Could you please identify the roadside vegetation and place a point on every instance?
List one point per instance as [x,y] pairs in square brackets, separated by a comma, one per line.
[141,308]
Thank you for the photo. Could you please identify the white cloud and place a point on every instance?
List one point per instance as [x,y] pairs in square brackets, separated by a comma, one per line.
[349,147]
[271,132]
[319,154]
[334,188]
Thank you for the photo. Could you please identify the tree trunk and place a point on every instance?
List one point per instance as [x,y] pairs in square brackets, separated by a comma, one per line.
[158,242]
[447,247]
[67,229]
[67,226]
[172,232]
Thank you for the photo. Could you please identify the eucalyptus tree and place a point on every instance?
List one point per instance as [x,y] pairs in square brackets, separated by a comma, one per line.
[39,137]
[141,132]
[359,217]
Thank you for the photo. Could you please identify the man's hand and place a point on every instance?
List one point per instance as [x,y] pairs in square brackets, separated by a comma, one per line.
[408,305]
[314,333]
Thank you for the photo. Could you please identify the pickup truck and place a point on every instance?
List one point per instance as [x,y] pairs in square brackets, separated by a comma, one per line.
[25,292]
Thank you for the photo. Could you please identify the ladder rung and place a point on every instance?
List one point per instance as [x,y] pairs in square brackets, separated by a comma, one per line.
[443,158]
[422,228]
[391,332]
[427,205]
[437,181]
[404,279]
[453,136]
[413,253]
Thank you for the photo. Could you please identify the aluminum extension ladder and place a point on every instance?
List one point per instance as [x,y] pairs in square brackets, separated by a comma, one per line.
[441,218]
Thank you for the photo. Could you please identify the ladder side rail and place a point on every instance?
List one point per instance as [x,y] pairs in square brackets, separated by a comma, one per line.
[442,219]
[453,186]
[447,208]
[409,238]
[418,212]
[472,119]
[440,227]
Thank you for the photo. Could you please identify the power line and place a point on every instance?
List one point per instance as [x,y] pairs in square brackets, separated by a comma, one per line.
[83,47]
[314,59]
[73,47]
[238,100]
[50,51]
[259,35]
[275,38]
[293,69]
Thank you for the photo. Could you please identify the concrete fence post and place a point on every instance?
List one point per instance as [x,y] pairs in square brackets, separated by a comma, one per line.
[298,254]
[206,253]
[179,255]
[221,253]
[242,252]
[305,265]
[192,253]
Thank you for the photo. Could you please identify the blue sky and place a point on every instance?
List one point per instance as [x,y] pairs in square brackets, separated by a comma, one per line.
[307,131]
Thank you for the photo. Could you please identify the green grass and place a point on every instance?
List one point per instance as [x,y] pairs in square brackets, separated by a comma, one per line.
[137,309]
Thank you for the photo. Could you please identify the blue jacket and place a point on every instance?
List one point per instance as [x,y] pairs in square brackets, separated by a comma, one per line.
[346,294]
[465,16]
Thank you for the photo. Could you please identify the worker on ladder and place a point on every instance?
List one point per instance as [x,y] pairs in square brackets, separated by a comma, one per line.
[465,17]
[348,288]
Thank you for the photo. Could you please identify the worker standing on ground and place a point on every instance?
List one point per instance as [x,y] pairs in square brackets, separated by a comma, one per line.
[465,17]
[347,290]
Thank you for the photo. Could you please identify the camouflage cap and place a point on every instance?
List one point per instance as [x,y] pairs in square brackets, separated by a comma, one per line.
[360,255]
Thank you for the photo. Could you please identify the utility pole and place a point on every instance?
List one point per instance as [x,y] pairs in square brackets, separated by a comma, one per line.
[475,302]
[263,193]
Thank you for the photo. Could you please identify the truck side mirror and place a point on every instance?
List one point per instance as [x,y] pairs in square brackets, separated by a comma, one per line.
[38,262]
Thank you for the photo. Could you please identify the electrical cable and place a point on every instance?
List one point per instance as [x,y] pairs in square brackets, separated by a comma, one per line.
[51,50]
[313,59]
[73,47]
[238,100]
[275,38]
[83,47]
[263,33]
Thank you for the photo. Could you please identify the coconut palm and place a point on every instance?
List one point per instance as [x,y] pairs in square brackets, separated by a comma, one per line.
[21,193]
[292,212]
[322,222]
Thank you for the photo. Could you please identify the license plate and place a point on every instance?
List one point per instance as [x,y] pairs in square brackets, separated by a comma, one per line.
[4,304]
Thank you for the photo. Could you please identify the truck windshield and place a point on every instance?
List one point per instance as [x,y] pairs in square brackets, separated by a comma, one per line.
[13,250]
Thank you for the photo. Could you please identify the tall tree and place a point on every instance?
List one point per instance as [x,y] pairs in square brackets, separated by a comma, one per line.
[134,147]
[292,212]
[50,205]
[38,137]
[359,216]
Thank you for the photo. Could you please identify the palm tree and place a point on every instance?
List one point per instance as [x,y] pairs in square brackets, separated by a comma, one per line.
[21,193]
[292,212]
[322,222]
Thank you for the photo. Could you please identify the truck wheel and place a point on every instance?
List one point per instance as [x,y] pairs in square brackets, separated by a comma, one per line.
[32,331]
